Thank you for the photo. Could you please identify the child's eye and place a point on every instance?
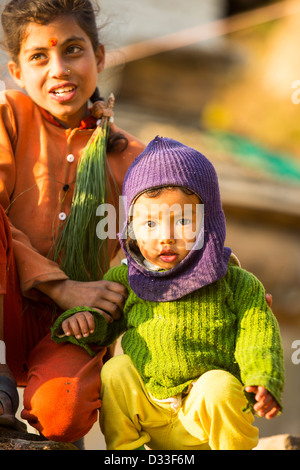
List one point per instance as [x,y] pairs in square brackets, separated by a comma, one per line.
[150,224]
[184,222]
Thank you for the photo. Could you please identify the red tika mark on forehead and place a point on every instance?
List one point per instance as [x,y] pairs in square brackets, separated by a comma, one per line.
[52,42]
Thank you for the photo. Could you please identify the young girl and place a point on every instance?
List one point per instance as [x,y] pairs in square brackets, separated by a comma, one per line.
[56,57]
[198,330]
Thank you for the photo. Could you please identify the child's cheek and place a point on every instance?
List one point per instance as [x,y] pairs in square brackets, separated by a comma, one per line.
[146,249]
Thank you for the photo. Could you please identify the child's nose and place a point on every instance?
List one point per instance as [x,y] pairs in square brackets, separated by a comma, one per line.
[167,241]
[166,234]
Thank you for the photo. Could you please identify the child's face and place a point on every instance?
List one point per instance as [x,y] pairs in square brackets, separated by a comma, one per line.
[166,227]
[58,67]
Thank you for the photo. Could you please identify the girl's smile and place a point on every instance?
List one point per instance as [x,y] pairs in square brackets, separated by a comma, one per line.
[63,92]
[60,77]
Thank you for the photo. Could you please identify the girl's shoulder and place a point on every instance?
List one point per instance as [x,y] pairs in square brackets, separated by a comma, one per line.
[16,100]
[16,111]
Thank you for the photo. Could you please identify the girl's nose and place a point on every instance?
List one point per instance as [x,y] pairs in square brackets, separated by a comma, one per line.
[58,68]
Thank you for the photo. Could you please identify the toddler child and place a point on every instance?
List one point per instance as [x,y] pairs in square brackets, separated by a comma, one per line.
[201,346]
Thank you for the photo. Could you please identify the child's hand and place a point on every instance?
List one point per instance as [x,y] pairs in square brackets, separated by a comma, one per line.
[79,324]
[266,404]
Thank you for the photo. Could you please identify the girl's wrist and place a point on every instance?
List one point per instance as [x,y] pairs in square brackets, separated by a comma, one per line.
[52,289]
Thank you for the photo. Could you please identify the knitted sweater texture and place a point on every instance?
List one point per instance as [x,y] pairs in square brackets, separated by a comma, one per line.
[225,325]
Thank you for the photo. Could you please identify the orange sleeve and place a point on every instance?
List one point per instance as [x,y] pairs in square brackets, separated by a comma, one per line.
[32,267]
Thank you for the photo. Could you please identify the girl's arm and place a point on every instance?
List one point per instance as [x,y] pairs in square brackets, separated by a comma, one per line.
[108,297]
[31,265]
[20,125]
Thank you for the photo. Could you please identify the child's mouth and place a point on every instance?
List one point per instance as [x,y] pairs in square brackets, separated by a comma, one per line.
[168,257]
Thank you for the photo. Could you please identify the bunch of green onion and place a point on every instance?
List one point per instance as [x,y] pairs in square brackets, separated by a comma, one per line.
[82,254]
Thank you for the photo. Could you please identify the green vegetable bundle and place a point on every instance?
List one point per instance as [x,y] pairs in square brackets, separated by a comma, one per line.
[81,253]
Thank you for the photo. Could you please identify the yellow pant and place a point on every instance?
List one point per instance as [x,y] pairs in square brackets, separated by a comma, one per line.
[210,416]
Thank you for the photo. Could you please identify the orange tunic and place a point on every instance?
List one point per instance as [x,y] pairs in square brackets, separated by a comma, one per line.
[38,158]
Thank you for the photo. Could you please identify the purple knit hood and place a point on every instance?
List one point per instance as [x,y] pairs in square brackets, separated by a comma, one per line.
[166,162]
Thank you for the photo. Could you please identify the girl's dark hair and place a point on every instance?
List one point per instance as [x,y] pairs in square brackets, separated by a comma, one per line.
[18,14]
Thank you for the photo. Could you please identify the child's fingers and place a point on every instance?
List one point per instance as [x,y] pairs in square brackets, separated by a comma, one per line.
[262,394]
[271,414]
[269,411]
[85,321]
[65,326]
[82,323]
[89,323]
[259,391]
[265,404]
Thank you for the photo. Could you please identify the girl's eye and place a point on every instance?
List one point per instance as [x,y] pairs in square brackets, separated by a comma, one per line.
[73,49]
[38,56]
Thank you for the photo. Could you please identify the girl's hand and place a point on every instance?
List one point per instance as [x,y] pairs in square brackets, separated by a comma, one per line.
[108,297]
[266,404]
[79,324]
[269,299]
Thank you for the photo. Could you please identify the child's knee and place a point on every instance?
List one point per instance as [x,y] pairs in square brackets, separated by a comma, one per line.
[219,386]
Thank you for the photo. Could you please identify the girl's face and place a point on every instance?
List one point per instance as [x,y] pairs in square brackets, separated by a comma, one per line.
[166,227]
[58,68]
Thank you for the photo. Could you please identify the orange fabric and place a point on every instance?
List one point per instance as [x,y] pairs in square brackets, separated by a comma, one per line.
[33,170]
[62,396]
[5,250]
[9,286]
[63,382]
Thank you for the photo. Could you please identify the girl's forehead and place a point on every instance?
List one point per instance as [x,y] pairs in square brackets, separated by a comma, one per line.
[55,33]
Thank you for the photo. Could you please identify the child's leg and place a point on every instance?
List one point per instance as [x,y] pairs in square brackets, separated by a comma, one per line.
[62,397]
[215,405]
[129,418]
[123,400]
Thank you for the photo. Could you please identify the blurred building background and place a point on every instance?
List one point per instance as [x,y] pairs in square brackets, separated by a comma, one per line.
[223,76]
[233,95]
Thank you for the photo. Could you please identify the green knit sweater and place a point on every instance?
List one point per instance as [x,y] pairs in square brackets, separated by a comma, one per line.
[226,325]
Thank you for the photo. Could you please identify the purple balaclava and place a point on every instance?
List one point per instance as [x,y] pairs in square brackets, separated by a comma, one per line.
[166,162]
